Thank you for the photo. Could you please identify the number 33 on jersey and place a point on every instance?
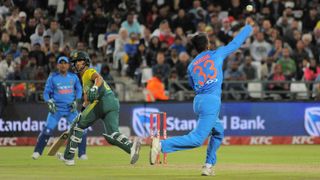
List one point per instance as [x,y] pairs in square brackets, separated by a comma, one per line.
[204,72]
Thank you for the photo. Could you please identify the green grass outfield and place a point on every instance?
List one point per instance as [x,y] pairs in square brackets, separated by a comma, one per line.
[235,162]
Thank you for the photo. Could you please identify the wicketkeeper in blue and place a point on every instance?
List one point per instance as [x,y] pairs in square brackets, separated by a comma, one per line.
[62,92]
[205,77]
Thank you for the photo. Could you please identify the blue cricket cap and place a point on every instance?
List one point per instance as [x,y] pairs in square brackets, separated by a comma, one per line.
[63,58]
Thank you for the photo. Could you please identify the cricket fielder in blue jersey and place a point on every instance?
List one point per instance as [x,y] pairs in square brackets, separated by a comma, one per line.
[62,92]
[205,77]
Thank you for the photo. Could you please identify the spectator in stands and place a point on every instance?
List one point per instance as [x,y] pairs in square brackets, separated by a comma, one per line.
[288,66]
[154,47]
[311,19]
[14,51]
[289,34]
[237,57]
[105,73]
[260,48]
[119,54]
[95,64]
[182,66]
[29,72]
[276,51]
[38,14]
[38,54]
[267,68]
[131,46]
[198,12]
[235,74]
[21,25]
[173,58]
[312,71]
[287,17]
[81,46]
[10,27]
[24,58]
[97,25]
[46,47]
[308,47]
[6,67]
[156,88]
[5,7]
[5,42]
[276,9]
[136,61]
[299,54]
[55,33]
[52,64]
[131,24]
[180,33]
[38,36]
[267,29]
[215,24]
[249,69]
[110,36]
[183,21]
[162,18]
[146,37]
[225,33]
[178,45]
[30,28]
[235,10]
[54,49]
[280,79]
[164,33]
[16,74]
[151,16]
[161,68]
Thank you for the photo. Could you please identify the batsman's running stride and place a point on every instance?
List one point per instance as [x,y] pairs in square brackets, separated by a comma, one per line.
[100,103]
[205,77]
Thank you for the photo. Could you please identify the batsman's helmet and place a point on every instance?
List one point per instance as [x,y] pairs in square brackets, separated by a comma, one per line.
[79,56]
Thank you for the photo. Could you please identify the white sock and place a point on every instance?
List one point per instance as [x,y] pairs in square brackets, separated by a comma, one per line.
[208,165]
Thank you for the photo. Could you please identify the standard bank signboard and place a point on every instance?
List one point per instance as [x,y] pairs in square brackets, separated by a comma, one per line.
[239,119]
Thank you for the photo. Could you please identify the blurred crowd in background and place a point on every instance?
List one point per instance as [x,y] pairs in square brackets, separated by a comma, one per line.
[149,40]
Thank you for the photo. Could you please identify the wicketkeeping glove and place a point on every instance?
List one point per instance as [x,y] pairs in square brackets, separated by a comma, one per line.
[93,94]
[52,106]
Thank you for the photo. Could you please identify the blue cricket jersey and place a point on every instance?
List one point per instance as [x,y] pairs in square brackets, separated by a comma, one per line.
[63,90]
[205,70]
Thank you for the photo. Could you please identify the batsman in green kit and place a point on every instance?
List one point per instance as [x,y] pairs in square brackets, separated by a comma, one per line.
[100,103]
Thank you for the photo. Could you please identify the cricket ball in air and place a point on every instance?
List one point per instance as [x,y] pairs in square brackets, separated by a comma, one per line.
[249,8]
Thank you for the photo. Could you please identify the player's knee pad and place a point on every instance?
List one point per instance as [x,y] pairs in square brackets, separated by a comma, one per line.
[116,138]
[77,135]
[75,139]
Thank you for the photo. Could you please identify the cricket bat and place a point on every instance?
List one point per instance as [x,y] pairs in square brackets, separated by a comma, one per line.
[62,138]
[58,143]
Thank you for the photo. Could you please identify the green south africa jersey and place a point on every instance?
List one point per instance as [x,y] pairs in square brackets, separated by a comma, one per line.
[87,83]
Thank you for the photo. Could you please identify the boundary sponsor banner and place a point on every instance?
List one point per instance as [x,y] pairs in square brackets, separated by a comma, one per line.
[238,119]
[229,140]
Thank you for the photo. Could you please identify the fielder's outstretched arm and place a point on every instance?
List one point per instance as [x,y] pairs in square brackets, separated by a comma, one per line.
[238,40]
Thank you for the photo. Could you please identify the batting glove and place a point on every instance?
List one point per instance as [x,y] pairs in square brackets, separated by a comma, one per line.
[52,106]
[93,94]
[74,106]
